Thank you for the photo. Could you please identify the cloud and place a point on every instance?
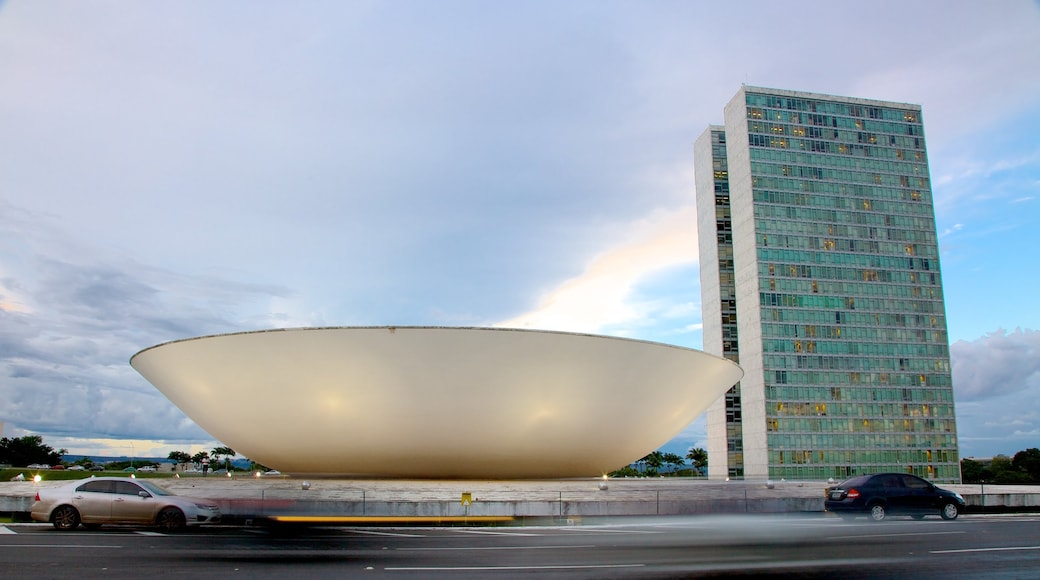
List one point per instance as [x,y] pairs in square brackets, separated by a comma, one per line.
[64,354]
[996,382]
[995,365]
[601,295]
[1001,425]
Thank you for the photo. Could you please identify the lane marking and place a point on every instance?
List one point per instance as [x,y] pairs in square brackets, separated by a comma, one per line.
[145,533]
[477,548]
[389,519]
[606,531]
[374,533]
[5,530]
[88,546]
[895,535]
[968,550]
[489,533]
[504,568]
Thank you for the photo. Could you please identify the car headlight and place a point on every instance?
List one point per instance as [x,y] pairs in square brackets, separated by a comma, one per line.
[206,506]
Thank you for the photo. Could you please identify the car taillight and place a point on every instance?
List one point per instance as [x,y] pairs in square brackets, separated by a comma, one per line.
[37,496]
[853,494]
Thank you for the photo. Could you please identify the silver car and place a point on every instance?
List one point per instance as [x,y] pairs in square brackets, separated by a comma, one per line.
[118,500]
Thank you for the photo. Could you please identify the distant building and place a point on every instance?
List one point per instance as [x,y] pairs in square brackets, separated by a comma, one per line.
[820,277]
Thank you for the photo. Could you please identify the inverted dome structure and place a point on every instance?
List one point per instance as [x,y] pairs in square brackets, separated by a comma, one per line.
[437,402]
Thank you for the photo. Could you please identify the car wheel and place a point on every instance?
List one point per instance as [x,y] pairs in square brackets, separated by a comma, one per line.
[877,512]
[950,511]
[171,520]
[65,518]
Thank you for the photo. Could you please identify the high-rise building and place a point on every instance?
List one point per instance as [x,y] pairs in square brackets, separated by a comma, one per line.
[820,276]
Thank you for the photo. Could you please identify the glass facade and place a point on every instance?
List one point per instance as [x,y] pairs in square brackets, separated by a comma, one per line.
[728,301]
[850,326]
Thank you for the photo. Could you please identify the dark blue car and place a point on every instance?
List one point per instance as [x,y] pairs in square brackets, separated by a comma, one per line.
[883,494]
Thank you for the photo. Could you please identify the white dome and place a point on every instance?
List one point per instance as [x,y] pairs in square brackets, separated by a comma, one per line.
[434,402]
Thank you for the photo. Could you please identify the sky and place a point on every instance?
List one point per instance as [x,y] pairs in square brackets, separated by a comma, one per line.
[176,169]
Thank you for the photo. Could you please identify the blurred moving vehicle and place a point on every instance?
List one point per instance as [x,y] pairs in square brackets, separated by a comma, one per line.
[883,494]
[117,500]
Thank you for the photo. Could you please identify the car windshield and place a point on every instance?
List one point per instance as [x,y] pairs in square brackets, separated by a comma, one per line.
[152,488]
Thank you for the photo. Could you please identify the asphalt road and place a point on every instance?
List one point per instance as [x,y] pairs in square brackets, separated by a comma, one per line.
[812,546]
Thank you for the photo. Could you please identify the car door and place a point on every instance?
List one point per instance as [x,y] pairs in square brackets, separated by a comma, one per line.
[920,494]
[894,492]
[93,500]
[130,506]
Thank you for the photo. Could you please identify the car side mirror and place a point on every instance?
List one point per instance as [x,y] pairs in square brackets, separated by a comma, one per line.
[144,494]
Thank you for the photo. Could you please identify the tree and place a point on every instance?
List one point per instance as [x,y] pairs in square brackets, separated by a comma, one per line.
[626,471]
[1027,461]
[227,453]
[974,472]
[22,451]
[653,461]
[676,460]
[179,457]
[699,457]
[1004,471]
